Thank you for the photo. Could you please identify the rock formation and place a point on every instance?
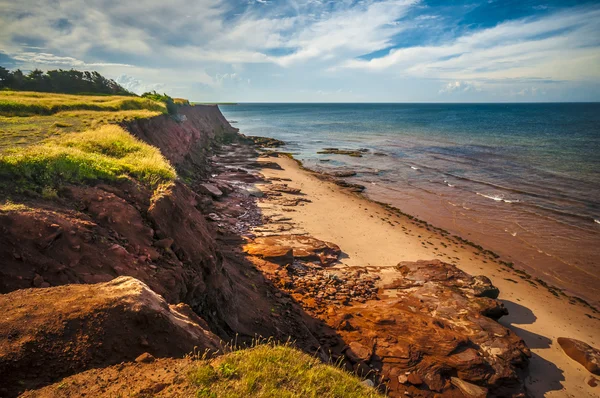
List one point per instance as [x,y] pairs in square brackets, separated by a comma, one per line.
[48,333]
[581,352]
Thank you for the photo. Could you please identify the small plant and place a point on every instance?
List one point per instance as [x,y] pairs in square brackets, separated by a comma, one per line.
[205,393]
[49,193]
[203,375]
[227,370]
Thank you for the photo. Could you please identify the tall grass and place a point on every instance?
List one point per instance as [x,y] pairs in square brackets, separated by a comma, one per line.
[25,103]
[107,153]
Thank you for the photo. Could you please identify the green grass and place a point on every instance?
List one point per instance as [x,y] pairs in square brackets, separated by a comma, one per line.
[30,117]
[274,371]
[106,153]
[18,131]
[27,103]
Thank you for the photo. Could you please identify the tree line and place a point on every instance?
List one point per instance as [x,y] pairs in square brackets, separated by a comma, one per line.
[60,81]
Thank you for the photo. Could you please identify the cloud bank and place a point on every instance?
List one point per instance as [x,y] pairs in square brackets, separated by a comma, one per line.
[380,50]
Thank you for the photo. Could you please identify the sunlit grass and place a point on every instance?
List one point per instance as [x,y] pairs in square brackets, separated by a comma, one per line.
[274,371]
[26,103]
[106,153]
[20,131]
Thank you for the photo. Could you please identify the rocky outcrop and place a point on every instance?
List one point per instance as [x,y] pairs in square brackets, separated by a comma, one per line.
[284,249]
[187,142]
[49,333]
[430,331]
[581,352]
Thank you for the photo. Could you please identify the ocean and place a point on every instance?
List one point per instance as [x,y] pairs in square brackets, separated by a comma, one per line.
[522,180]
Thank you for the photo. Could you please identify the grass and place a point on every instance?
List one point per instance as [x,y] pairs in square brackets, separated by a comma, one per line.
[8,206]
[27,103]
[29,117]
[276,371]
[18,131]
[106,153]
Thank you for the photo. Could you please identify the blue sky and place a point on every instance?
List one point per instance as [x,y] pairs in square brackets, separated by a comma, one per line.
[317,50]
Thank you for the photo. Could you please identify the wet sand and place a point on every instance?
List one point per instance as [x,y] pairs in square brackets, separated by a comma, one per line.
[370,234]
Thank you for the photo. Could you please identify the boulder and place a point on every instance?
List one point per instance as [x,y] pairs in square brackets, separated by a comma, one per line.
[47,334]
[468,389]
[210,189]
[303,248]
[583,353]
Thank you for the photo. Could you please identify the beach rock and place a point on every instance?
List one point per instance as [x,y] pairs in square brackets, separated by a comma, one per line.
[283,188]
[145,358]
[581,352]
[253,191]
[418,273]
[266,142]
[468,389]
[336,151]
[47,334]
[434,327]
[210,189]
[165,243]
[303,248]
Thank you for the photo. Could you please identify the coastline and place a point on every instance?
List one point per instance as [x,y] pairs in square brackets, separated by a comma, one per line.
[372,235]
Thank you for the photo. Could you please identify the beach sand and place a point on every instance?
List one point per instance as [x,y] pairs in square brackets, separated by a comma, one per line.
[371,235]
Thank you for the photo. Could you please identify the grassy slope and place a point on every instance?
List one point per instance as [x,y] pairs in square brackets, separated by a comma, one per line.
[274,371]
[53,146]
[264,371]
[27,103]
[28,117]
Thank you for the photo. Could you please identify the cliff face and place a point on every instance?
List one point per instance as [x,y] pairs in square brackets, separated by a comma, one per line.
[188,141]
[98,232]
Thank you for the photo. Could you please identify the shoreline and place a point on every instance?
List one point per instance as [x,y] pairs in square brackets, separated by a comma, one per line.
[374,235]
[493,256]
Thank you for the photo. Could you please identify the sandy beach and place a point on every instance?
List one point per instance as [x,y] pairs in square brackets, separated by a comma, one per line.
[371,235]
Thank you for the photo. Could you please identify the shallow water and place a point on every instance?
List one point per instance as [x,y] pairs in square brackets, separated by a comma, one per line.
[522,180]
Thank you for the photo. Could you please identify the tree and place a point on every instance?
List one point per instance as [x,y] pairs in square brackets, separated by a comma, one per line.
[60,81]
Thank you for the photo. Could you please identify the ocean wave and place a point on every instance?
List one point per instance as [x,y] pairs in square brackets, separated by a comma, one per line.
[596,221]
[498,198]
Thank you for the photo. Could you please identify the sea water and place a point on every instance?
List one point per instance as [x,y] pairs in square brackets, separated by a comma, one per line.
[522,180]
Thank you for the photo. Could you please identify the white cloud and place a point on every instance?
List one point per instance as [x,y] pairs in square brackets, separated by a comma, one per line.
[201,44]
[563,46]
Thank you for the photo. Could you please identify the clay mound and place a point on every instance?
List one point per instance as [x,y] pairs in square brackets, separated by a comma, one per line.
[46,334]
[283,249]
[583,353]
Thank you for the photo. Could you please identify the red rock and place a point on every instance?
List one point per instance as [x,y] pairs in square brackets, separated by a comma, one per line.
[303,248]
[468,389]
[67,329]
[164,243]
[581,352]
[210,189]
[415,379]
[358,352]
[145,358]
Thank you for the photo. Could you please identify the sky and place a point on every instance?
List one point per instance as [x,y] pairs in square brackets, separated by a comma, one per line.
[317,50]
